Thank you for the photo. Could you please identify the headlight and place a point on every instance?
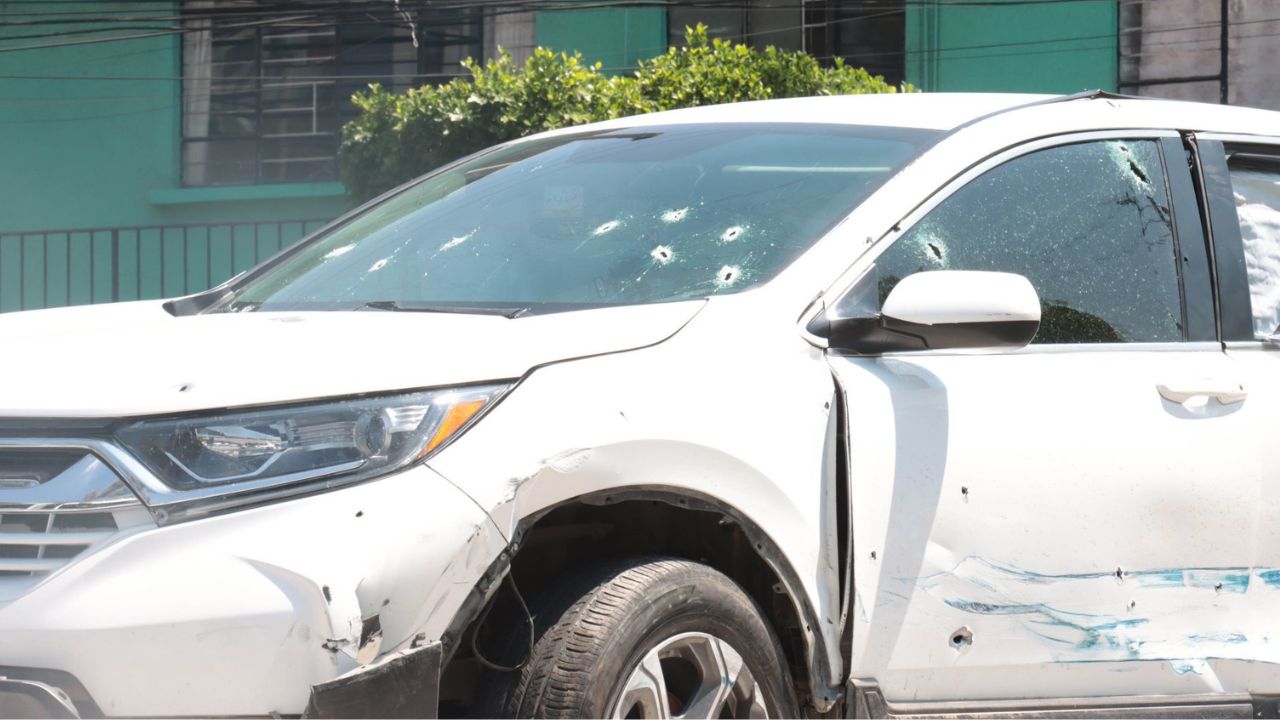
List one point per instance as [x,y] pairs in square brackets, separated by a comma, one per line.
[214,456]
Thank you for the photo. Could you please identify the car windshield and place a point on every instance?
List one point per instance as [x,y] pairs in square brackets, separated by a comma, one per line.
[630,216]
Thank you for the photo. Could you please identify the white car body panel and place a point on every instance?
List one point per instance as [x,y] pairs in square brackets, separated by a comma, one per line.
[727,398]
[655,419]
[240,614]
[1106,534]
[931,299]
[182,364]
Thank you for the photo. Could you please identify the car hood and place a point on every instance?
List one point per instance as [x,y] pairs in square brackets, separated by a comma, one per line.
[136,358]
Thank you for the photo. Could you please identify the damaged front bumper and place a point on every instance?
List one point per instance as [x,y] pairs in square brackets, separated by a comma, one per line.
[405,684]
[332,604]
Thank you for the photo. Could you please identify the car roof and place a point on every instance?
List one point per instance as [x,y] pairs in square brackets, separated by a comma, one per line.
[951,111]
[936,111]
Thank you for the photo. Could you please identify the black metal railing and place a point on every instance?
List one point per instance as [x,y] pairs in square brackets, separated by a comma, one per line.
[55,268]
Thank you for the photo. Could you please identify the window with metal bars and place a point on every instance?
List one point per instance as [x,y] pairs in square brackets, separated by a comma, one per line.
[868,34]
[267,86]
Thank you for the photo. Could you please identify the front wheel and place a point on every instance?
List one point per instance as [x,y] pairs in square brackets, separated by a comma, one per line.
[651,639]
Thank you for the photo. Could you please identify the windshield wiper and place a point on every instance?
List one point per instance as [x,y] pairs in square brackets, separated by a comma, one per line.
[402,306]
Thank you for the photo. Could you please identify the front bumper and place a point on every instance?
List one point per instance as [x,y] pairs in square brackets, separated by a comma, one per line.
[241,614]
[34,699]
[401,685]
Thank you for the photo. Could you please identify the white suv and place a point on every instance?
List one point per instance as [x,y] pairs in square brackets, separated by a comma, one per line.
[905,405]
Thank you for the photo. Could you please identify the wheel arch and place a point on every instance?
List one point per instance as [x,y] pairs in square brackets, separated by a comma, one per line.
[811,664]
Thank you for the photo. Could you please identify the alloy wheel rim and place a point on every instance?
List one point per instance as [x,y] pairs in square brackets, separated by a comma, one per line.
[691,675]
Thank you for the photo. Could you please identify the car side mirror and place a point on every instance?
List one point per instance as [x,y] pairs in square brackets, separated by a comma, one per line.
[940,310]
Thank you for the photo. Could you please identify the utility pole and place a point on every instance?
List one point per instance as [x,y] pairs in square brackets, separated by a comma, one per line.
[1224,46]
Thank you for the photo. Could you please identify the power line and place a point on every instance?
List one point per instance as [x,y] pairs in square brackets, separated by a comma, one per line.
[195,13]
[286,17]
[248,78]
[1042,41]
[453,75]
[904,52]
[316,4]
[119,38]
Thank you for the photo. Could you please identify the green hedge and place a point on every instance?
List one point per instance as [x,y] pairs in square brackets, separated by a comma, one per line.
[398,137]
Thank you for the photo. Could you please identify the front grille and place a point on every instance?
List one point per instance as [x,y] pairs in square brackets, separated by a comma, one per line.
[32,543]
[55,504]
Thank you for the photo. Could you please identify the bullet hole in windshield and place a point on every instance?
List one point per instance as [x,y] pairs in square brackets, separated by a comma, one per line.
[575,219]
[675,216]
[728,275]
[662,254]
[456,241]
[931,247]
[1133,166]
[1129,165]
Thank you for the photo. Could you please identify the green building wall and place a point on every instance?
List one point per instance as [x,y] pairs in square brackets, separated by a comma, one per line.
[617,38]
[90,138]
[78,150]
[1042,48]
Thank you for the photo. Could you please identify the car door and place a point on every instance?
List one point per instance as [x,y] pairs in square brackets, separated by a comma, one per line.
[1241,176]
[1061,521]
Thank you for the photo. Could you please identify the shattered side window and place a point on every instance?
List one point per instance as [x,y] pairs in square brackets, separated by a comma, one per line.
[1257,195]
[1088,224]
[629,216]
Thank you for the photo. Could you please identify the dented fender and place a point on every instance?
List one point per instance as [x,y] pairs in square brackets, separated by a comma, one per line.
[586,428]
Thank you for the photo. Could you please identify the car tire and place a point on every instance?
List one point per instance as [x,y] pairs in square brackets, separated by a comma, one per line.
[648,637]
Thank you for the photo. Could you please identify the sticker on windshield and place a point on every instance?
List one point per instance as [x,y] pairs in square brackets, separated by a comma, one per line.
[562,201]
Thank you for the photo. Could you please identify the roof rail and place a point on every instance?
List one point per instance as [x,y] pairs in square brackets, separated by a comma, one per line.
[1082,95]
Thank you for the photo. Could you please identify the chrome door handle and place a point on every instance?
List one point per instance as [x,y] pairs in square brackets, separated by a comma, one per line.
[1226,394]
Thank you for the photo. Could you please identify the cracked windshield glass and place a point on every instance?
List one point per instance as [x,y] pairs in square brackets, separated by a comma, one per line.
[608,218]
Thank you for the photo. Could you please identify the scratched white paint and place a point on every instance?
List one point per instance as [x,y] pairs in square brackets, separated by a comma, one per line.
[1050,501]
[673,430]
[994,493]
[232,609]
[1115,479]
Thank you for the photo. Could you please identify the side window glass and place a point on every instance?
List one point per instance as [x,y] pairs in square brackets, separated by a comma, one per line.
[1088,224]
[1257,195]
